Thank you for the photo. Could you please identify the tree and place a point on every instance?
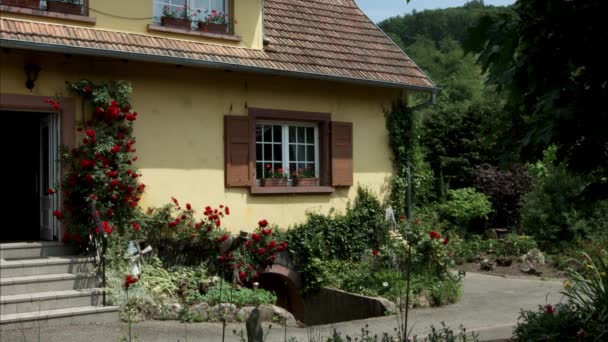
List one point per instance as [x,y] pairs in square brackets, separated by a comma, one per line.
[546,56]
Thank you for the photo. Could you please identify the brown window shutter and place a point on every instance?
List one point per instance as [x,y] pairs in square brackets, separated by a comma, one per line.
[341,153]
[237,154]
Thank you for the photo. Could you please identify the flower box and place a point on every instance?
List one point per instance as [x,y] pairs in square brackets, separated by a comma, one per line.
[22,3]
[179,23]
[64,7]
[273,182]
[305,181]
[213,28]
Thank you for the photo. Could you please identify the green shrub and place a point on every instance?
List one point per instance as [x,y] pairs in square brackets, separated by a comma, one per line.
[464,207]
[540,325]
[239,297]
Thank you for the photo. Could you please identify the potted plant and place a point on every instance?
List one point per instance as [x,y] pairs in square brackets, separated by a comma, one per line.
[22,3]
[64,6]
[214,22]
[181,19]
[304,177]
[274,177]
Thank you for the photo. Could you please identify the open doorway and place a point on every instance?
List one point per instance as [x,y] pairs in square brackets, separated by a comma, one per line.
[30,145]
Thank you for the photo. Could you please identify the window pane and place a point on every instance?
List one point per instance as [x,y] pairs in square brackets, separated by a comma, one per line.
[301,153]
[258,132]
[292,153]
[310,153]
[301,135]
[278,153]
[259,170]
[310,135]
[292,134]
[277,133]
[267,152]
[267,133]
[258,152]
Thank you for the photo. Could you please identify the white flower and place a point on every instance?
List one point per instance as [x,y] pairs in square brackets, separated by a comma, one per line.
[385,284]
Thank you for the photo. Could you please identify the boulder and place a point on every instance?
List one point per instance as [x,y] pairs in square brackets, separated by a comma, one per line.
[283,316]
[169,311]
[201,310]
[244,313]
[223,310]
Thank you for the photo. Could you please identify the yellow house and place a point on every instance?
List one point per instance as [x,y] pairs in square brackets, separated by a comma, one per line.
[226,90]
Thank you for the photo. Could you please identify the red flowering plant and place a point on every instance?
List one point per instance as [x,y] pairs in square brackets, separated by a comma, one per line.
[178,222]
[258,253]
[100,169]
[276,173]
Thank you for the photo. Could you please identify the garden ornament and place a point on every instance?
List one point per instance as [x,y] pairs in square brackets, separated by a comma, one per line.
[135,255]
[389,216]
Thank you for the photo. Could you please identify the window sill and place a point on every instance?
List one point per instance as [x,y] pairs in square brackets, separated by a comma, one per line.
[277,190]
[46,14]
[220,36]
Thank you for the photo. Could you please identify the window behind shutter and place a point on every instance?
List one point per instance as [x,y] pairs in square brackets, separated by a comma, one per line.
[238,169]
[341,153]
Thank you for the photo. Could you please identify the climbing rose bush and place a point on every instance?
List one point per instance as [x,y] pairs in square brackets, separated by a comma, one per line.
[100,169]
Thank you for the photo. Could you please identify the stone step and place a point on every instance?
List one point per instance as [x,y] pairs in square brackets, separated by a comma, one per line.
[46,283]
[45,265]
[17,250]
[57,317]
[42,301]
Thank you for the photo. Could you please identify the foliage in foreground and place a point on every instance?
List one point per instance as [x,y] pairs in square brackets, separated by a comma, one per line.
[584,315]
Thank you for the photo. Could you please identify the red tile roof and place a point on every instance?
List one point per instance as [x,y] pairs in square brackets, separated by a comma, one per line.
[322,39]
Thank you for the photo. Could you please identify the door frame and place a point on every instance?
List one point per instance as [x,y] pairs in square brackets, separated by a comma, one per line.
[66,116]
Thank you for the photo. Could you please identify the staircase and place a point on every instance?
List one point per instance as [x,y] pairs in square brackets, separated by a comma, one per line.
[44,284]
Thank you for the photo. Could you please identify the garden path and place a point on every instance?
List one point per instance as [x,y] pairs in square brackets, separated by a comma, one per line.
[490,305]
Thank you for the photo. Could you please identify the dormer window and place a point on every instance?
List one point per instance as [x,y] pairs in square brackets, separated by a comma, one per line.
[205,15]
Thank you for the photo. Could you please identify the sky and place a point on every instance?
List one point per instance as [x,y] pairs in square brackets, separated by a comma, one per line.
[378,10]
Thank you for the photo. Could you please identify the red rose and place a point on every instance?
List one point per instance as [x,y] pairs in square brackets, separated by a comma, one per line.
[131,117]
[272,244]
[134,158]
[268,166]
[99,110]
[401,218]
[56,106]
[434,235]
[175,201]
[115,149]
[88,178]
[223,238]
[114,183]
[375,252]
[113,103]
[58,214]
[189,206]
[248,243]
[446,241]
[242,275]
[129,280]
[183,216]
[549,309]
[50,191]
[218,223]
[106,227]
[227,211]
[136,226]
[85,141]
[87,163]
[125,109]
[112,174]
[255,237]
[90,133]
[87,89]
[416,221]
[261,251]
[266,231]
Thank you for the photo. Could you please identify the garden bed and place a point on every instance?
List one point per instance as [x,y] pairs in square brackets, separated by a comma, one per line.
[548,270]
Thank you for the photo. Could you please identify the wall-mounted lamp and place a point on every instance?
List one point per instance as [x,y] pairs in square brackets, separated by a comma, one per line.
[31,71]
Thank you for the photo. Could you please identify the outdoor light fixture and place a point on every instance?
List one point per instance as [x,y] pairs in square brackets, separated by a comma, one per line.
[31,71]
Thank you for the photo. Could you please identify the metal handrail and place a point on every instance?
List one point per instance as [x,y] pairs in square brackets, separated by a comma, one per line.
[101,235]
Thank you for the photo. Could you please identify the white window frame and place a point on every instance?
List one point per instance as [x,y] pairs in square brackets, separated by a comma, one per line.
[191,3]
[285,143]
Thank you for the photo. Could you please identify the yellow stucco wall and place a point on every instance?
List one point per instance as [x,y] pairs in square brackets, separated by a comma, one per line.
[135,15]
[180,128]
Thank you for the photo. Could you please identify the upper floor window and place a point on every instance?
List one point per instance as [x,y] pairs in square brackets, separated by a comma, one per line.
[204,11]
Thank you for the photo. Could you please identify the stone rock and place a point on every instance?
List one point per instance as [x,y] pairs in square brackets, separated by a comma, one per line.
[534,256]
[283,316]
[225,310]
[486,265]
[201,310]
[422,300]
[266,312]
[490,234]
[389,307]
[169,311]
[254,327]
[244,313]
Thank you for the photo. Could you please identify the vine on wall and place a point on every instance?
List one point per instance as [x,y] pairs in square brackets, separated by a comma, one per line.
[101,168]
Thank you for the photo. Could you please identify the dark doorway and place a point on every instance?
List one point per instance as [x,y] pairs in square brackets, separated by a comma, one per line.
[21,174]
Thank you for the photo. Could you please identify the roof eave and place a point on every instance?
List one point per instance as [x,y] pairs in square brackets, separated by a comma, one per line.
[67,49]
